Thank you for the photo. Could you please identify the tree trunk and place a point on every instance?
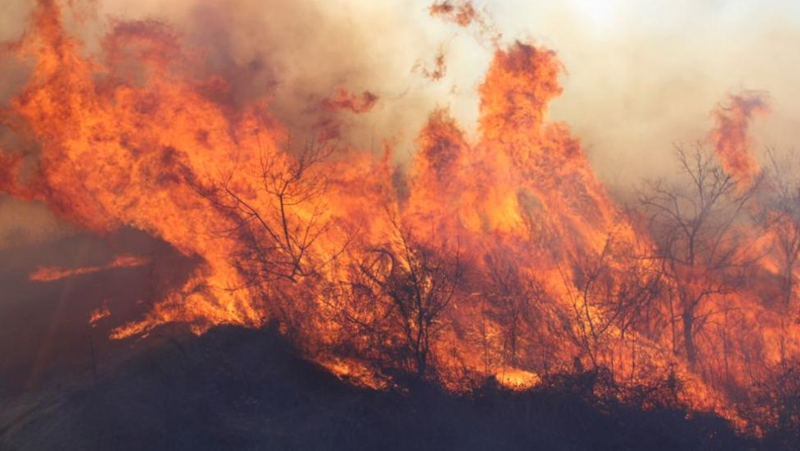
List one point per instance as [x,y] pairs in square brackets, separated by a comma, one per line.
[688,337]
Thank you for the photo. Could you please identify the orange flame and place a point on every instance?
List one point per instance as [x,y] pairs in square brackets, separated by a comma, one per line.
[730,135]
[497,256]
[50,274]
[98,315]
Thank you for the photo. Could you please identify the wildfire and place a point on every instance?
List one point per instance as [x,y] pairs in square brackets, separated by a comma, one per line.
[500,255]
[515,379]
[730,134]
[98,315]
[49,274]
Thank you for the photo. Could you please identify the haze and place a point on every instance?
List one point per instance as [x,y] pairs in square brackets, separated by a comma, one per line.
[641,75]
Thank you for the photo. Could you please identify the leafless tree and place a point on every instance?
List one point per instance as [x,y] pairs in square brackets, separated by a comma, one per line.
[363,315]
[614,291]
[280,227]
[274,213]
[531,322]
[514,296]
[418,282]
[780,214]
[694,224]
[783,217]
[777,397]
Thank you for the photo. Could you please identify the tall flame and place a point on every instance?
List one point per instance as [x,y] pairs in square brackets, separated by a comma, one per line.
[730,134]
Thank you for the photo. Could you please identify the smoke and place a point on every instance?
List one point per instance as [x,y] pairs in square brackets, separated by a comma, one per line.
[641,76]
[301,56]
[23,223]
[644,76]
[298,54]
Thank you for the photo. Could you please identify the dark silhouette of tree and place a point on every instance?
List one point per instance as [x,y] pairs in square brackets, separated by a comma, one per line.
[777,397]
[518,302]
[615,294]
[418,283]
[781,215]
[693,222]
[275,217]
[280,229]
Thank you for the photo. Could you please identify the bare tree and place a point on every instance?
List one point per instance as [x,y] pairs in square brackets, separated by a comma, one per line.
[276,212]
[614,292]
[699,244]
[418,283]
[362,314]
[777,397]
[783,217]
[275,215]
[280,226]
[514,296]
[531,322]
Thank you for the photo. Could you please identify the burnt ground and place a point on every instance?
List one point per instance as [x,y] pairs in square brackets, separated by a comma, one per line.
[45,337]
[238,389]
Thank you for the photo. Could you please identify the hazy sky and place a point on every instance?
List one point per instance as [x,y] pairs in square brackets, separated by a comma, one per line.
[642,75]
[645,74]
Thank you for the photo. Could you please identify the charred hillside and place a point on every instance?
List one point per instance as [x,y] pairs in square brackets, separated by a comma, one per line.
[72,387]
[235,388]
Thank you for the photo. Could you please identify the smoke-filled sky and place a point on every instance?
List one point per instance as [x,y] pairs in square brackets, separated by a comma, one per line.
[642,75]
